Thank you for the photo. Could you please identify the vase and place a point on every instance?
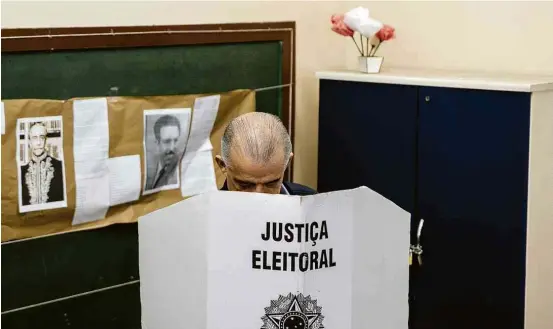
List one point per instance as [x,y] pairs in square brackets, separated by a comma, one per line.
[370,64]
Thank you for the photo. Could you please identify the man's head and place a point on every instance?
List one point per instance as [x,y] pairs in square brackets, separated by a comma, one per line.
[255,151]
[37,137]
[167,133]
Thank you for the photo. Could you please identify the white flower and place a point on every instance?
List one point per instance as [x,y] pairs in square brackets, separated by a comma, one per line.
[358,20]
[361,12]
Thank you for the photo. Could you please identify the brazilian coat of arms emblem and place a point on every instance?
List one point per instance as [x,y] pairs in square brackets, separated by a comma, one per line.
[293,312]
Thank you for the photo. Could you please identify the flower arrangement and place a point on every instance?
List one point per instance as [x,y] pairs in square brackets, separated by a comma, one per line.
[371,31]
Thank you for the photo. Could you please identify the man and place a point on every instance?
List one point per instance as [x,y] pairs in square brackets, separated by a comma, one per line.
[167,132]
[42,176]
[255,151]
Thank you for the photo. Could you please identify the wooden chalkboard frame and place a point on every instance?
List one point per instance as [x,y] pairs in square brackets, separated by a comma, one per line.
[77,38]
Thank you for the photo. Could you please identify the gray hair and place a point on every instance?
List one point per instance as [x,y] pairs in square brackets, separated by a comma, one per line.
[256,135]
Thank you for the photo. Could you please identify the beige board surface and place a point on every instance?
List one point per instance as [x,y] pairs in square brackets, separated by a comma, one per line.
[126,130]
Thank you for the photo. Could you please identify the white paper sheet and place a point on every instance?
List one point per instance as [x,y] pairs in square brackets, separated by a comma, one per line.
[197,170]
[199,174]
[91,151]
[90,129]
[3,128]
[124,179]
[92,199]
[203,118]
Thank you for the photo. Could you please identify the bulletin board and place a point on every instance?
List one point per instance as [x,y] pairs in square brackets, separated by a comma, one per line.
[90,279]
[102,180]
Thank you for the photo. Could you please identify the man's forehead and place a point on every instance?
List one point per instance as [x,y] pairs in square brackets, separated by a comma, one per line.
[247,169]
[169,129]
[38,130]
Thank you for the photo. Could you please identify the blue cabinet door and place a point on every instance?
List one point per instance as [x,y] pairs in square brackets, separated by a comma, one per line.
[367,137]
[472,192]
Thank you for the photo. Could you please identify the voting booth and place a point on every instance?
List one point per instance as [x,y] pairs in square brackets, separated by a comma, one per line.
[237,260]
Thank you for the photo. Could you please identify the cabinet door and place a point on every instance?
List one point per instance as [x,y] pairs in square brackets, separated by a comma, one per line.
[367,137]
[472,192]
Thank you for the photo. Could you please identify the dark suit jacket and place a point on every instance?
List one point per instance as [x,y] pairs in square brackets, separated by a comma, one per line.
[170,177]
[292,188]
[56,185]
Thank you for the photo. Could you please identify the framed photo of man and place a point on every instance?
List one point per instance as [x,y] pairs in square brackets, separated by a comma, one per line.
[41,166]
[165,138]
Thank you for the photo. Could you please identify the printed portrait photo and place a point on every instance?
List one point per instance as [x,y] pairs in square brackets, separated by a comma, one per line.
[165,136]
[41,174]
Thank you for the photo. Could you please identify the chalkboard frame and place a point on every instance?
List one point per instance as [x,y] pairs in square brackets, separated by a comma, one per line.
[79,38]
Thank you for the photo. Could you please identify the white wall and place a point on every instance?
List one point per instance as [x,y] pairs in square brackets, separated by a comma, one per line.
[491,36]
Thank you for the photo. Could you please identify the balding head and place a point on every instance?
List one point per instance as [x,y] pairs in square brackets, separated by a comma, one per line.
[255,150]
[259,136]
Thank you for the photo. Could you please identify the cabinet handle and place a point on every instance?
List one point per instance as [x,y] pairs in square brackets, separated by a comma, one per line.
[427,98]
[417,248]
[419,231]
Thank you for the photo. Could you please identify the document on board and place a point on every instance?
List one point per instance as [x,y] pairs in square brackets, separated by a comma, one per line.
[203,118]
[3,120]
[124,179]
[91,151]
[90,129]
[197,170]
[92,189]
[199,174]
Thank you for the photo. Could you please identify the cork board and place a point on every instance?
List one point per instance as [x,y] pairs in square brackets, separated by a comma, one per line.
[126,135]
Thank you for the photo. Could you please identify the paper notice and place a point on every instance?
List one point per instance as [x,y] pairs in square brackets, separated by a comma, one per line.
[91,130]
[199,174]
[92,200]
[90,143]
[124,179]
[3,120]
[91,151]
[203,117]
[197,170]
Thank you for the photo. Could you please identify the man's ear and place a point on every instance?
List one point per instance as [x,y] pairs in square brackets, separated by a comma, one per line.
[290,159]
[221,163]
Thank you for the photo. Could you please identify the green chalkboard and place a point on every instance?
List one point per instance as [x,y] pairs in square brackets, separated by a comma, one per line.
[155,71]
[46,269]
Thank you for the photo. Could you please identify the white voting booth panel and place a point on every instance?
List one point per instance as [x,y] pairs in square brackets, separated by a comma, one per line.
[231,260]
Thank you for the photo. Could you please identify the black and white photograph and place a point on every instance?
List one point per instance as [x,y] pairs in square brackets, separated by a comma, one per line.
[41,174]
[165,137]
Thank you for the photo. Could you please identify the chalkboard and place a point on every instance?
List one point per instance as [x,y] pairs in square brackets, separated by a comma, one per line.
[90,279]
[153,71]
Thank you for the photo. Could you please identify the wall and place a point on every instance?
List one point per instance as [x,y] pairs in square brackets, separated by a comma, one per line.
[490,36]
[496,36]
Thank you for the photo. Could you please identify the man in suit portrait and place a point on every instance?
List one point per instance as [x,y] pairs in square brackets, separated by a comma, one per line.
[42,176]
[167,131]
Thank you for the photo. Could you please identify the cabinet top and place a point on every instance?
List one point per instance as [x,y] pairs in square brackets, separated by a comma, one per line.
[450,79]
